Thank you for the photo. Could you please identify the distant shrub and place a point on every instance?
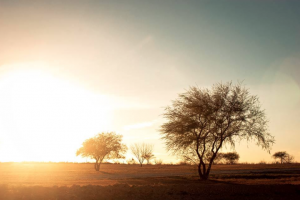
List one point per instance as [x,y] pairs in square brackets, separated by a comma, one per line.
[183,162]
[158,161]
[170,163]
[106,162]
[247,163]
[262,162]
[131,161]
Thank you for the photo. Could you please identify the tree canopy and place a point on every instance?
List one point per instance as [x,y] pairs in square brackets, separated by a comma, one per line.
[103,146]
[201,121]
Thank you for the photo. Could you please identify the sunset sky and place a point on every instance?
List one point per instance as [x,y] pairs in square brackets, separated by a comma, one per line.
[72,69]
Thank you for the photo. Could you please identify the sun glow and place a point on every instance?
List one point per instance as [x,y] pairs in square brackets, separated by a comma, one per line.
[44,118]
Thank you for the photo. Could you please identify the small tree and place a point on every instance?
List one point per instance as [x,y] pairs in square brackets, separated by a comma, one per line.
[142,152]
[283,156]
[280,155]
[231,157]
[289,159]
[149,157]
[201,121]
[103,146]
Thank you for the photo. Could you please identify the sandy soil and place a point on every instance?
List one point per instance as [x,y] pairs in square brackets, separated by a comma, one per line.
[62,174]
[81,181]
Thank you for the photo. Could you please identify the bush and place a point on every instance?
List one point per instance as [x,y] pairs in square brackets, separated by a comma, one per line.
[158,161]
[262,162]
[131,161]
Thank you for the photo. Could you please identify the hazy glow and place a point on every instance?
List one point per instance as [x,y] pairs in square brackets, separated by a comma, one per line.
[107,65]
[138,126]
[44,118]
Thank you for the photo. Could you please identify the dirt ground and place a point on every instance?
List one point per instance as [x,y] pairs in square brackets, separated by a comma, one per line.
[116,181]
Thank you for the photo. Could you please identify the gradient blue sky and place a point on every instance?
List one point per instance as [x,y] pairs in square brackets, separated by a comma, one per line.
[130,59]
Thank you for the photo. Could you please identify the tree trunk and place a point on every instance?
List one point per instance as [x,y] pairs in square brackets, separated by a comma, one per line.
[209,165]
[203,175]
[97,166]
[208,171]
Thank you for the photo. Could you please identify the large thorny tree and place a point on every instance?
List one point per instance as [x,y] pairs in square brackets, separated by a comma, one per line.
[103,146]
[201,121]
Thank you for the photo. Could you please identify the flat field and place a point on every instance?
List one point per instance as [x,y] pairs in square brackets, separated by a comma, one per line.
[117,181]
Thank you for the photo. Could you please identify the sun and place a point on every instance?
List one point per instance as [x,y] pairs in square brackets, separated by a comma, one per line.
[45,118]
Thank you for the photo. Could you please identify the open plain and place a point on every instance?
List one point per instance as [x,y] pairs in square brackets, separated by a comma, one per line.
[118,181]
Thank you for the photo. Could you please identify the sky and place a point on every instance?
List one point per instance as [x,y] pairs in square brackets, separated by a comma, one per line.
[72,69]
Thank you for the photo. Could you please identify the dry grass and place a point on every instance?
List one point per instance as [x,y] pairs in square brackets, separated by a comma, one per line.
[80,181]
[68,174]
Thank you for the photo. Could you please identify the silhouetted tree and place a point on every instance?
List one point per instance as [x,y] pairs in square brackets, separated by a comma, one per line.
[149,157]
[231,157]
[201,121]
[142,152]
[103,146]
[289,159]
[283,156]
